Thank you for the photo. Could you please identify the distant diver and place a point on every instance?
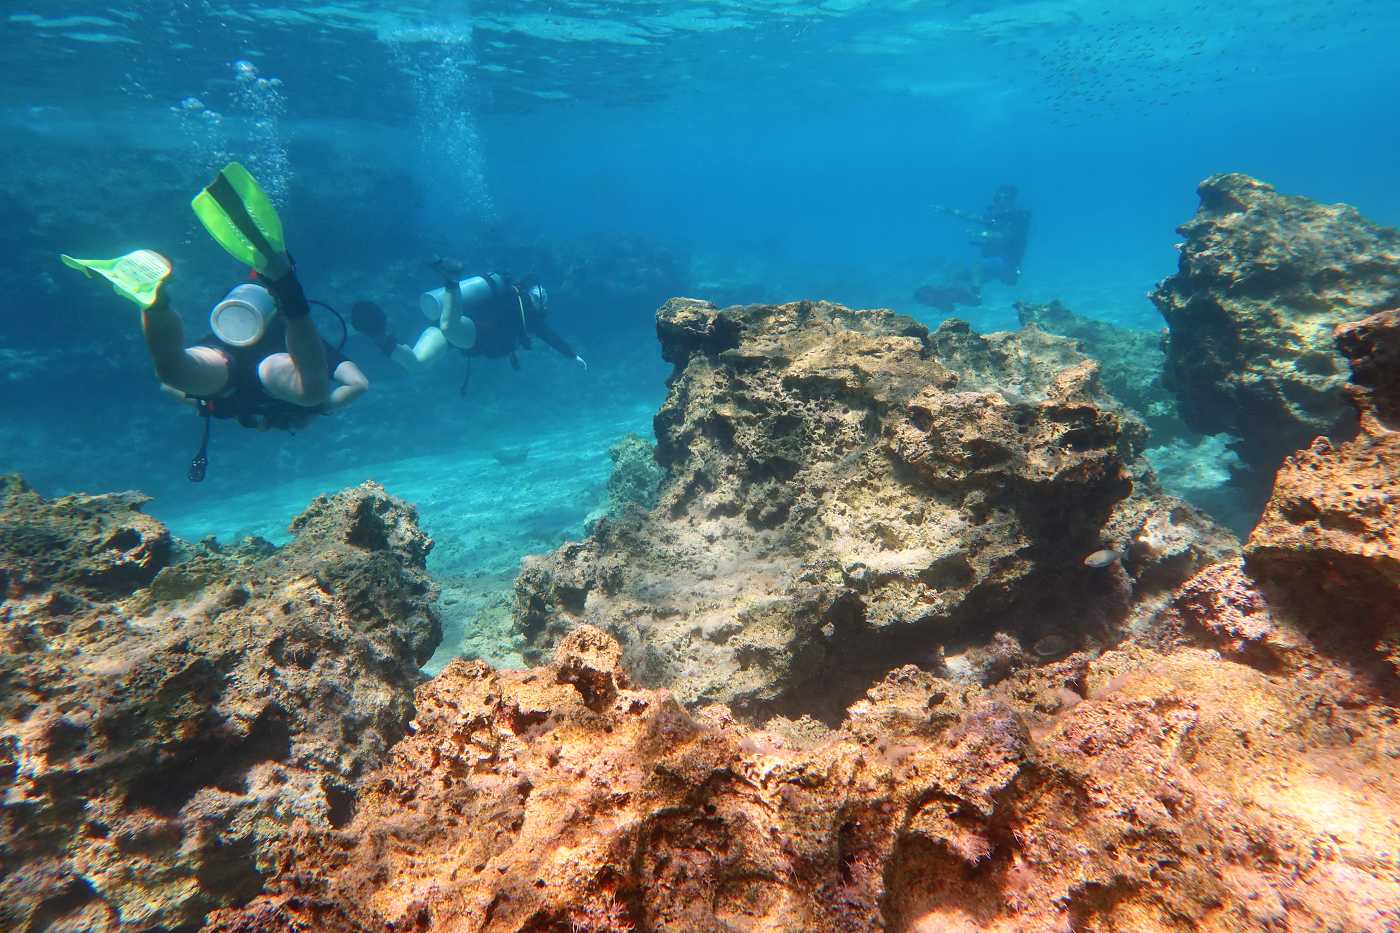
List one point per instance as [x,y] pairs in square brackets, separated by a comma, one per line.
[264,365]
[1000,233]
[1002,236]
[491,315]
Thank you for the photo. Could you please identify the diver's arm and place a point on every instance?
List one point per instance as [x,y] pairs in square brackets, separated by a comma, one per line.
[200,371]
[967,216]
[542,330]
[451,306]
[451,273]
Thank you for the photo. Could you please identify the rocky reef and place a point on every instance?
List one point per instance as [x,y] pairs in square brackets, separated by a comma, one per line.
[1200,469]
[1137,791]
[1130,361]
[1231,777]
[167,713]
[635,478]
[846,491]
[1231,766]
[908,639]
[1329,539]
[1263,279]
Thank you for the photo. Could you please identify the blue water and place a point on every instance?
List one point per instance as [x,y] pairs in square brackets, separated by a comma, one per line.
[627,152]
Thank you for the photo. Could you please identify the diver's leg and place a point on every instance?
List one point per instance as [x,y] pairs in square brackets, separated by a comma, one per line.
[350,385]
[279,376]
[308,383]
[311,384]
[201,371]
[427,350]
[451,272]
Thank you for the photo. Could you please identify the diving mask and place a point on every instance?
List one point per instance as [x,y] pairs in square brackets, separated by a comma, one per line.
[539,297]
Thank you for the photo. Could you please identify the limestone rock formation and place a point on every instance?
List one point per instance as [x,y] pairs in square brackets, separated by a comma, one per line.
[635,477]
[1329,539]
[1263,280]
[845,492]
[1130,361]
[1136,791]
[163,721]
[1228,765]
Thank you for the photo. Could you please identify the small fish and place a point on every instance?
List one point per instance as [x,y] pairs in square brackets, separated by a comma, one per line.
[1101,559]
[509,456]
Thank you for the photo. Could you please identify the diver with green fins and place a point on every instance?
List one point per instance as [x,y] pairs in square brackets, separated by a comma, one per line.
[264,364]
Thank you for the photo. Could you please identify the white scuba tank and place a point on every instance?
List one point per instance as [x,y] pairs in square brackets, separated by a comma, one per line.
[475,291]
[241,319]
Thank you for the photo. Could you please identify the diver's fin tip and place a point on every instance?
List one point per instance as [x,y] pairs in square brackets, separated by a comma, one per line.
[240,217]
[137,276]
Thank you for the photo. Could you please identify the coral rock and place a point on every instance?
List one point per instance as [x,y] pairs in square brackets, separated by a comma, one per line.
[162,724]
[1263,280]
[92,545]
[845,491]
[635,476]
[1373,347]
[1140,791]
[1329,539]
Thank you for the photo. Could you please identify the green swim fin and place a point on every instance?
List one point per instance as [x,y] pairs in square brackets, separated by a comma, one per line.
[137,275]
[241,219]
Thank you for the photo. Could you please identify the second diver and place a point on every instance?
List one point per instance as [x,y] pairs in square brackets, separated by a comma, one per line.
[481,315]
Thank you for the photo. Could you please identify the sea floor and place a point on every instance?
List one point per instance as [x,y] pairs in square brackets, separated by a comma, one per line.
[484,516]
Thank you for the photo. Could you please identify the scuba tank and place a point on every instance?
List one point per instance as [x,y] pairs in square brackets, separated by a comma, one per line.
[475,290]
[241,319]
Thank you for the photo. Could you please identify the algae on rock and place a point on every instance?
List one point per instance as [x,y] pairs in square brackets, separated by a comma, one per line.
[635,477]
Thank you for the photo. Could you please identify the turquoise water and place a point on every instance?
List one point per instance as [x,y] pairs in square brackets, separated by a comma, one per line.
[625,152]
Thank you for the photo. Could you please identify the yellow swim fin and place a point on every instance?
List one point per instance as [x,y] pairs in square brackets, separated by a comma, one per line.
[137,275]
[240,217]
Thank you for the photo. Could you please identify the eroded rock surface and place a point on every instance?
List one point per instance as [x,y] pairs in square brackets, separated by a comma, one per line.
[163,722]
[845,491]
[1137,791]
[1230,766]
[1263,280]
[1130,362]
[1329,539]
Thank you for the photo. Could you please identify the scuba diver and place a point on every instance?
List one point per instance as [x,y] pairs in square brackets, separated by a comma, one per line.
[1003,236]
[265,365]
[490,315]
[1001,233]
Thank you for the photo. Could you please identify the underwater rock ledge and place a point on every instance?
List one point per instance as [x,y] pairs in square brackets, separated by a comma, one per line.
[845,492]
[1263,279]
[165,717]
[1231,766]
[1139,790]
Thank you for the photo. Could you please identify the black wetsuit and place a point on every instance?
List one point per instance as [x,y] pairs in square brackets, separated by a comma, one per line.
[508,321]
[245,398]
[1003,241]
